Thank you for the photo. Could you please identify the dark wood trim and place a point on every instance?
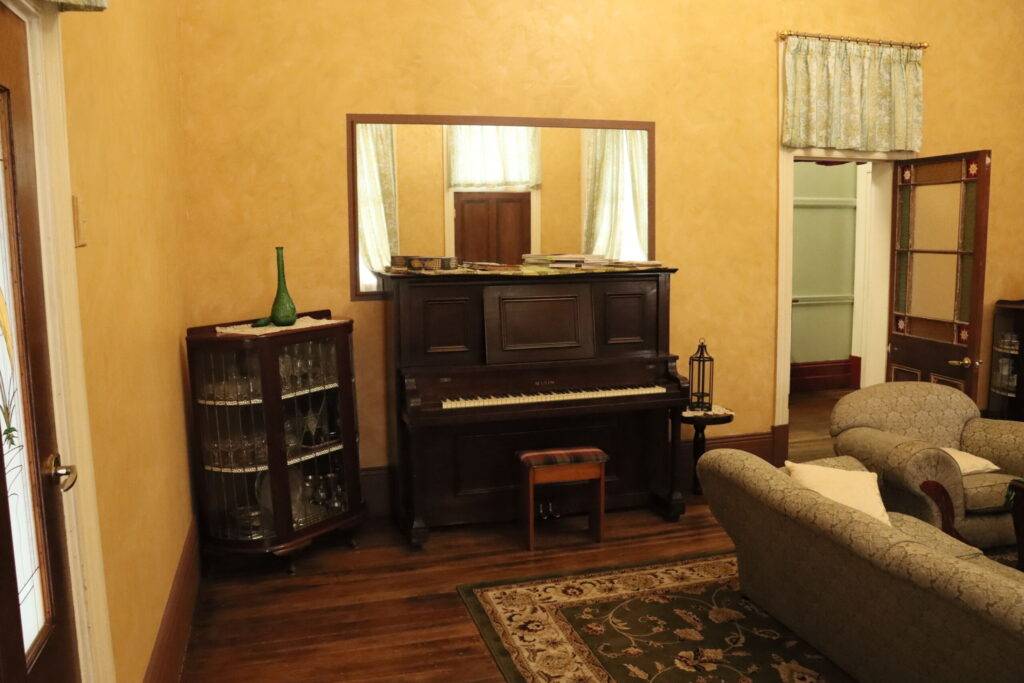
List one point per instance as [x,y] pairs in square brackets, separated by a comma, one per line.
[780,444]
[376,487]
[454,120]
[825,374]
[168,656]
[940,496]
[761,444]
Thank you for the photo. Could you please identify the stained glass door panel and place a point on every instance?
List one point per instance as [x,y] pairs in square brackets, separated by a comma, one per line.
[938,269]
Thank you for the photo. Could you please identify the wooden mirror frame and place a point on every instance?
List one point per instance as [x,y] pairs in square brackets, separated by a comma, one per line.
[450,120]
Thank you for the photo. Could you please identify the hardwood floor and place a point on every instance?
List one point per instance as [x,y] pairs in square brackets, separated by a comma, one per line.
[809,415]
[385,612]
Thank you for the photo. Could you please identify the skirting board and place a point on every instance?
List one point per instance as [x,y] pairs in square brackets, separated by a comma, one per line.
[172,638]
[771,446]
[824,375]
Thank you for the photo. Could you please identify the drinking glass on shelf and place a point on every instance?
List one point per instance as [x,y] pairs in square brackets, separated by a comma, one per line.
[286,365]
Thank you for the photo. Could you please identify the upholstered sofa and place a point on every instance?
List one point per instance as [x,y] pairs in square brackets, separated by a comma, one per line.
[886,603]
[898,429]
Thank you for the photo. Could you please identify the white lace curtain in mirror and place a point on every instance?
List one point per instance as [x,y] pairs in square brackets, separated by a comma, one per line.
[615,194]
[493,157]
[377,200]
[852,95]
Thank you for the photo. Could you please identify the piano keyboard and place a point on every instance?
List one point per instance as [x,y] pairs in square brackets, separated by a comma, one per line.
[542,397]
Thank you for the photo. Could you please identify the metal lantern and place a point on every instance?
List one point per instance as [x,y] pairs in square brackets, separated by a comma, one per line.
[702,378]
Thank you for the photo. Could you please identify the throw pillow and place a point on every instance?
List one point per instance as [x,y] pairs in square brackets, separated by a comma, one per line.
[970,463]
[858,490]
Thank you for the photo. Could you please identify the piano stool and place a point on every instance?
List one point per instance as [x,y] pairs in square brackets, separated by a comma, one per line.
[562,466]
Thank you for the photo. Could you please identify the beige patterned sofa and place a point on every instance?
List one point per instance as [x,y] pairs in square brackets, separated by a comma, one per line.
[897,429]
[901,603]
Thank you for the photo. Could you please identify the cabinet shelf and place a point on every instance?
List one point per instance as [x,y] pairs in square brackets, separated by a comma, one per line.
[1003,392]
[227,402]
[310,390]
[1003,349]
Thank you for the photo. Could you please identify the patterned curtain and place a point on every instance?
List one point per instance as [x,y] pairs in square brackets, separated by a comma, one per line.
[79,5]
[377,200]
[849,95]
[615,194]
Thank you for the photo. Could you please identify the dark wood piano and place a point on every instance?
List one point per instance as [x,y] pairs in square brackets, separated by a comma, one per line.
[481,366]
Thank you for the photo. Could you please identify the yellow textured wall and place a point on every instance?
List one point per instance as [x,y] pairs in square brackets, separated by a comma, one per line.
[122,71]
[420,171]
[267,160]
[561,214]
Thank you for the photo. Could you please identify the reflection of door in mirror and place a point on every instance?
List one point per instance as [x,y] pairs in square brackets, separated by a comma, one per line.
[938,270]
[492,226]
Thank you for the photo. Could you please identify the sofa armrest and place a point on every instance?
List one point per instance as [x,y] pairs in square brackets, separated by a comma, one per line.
[1001,441]
[903,465]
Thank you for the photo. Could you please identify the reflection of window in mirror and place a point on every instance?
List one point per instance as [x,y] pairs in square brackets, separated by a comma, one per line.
[475,192]
[615,194]
[492,174]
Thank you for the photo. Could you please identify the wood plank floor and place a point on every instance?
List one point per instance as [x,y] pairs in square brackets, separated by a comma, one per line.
[385,612]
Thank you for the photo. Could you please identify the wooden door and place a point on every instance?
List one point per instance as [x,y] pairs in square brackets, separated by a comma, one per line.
[940,220]
[492,226]
[37,638]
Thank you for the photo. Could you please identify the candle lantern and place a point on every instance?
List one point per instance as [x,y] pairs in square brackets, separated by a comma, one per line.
[702,378]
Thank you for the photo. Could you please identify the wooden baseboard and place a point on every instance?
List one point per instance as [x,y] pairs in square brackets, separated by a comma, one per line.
[824,375]
[172,638]
[376,485]
[780,445]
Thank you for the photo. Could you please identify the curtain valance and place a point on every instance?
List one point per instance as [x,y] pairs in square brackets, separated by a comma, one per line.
[79,5]
[852,95]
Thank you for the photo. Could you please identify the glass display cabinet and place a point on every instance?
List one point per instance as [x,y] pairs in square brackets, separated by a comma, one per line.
[1004,387]
[275,445]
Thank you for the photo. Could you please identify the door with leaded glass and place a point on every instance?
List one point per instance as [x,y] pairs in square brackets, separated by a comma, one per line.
[37,637]
[940,219]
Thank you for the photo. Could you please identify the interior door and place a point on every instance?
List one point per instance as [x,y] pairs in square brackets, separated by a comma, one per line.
[940,220]
[492,226]
[37,639]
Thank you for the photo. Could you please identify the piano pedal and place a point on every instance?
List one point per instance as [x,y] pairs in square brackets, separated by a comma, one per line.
[541,515]
[551,511]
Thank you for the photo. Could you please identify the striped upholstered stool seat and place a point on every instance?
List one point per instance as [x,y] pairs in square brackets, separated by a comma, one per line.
[562,456]
[563,466]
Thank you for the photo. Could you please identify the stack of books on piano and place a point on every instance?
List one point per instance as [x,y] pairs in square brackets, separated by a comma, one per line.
[583,261]
[565,260]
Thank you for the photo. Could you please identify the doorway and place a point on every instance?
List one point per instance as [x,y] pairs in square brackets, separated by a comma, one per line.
[492,227]
[823,367]
[834,238]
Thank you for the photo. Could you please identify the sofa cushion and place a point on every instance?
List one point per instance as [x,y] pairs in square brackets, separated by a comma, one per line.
[924,533]
[970,463]
[858,490]
[986,492]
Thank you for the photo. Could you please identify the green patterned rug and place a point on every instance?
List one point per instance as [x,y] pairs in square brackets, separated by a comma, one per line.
[678,621]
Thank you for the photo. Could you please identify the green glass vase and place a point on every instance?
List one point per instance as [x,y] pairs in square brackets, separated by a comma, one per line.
[282,313]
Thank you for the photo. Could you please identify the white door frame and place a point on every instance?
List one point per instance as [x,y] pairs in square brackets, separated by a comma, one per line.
[64,333]
[874,206]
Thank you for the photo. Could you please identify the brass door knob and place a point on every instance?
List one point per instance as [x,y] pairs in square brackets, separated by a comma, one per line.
[66,475]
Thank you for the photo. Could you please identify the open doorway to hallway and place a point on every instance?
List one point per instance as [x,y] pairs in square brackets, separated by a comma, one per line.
[830,284]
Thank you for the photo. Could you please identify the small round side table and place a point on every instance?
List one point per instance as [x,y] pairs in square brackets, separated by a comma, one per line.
[700,422]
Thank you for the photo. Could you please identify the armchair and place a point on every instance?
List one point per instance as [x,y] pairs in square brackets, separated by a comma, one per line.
[898,430]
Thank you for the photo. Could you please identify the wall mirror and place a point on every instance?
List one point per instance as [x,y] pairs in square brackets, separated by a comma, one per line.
[494,188]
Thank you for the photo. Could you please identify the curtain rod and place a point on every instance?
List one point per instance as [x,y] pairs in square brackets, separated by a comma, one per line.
[824,36]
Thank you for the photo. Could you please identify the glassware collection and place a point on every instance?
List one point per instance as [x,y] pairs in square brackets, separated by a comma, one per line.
[234,444]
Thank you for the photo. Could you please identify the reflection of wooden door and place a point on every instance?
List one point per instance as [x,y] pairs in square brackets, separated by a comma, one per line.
[492,226]
[37,641]
[940,220]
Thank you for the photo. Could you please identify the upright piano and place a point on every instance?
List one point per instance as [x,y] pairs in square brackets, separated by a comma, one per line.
[481,366]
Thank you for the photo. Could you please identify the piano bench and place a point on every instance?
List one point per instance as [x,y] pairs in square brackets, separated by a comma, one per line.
[562,466]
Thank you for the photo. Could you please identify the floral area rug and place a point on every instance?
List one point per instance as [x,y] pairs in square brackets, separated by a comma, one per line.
[679,621]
